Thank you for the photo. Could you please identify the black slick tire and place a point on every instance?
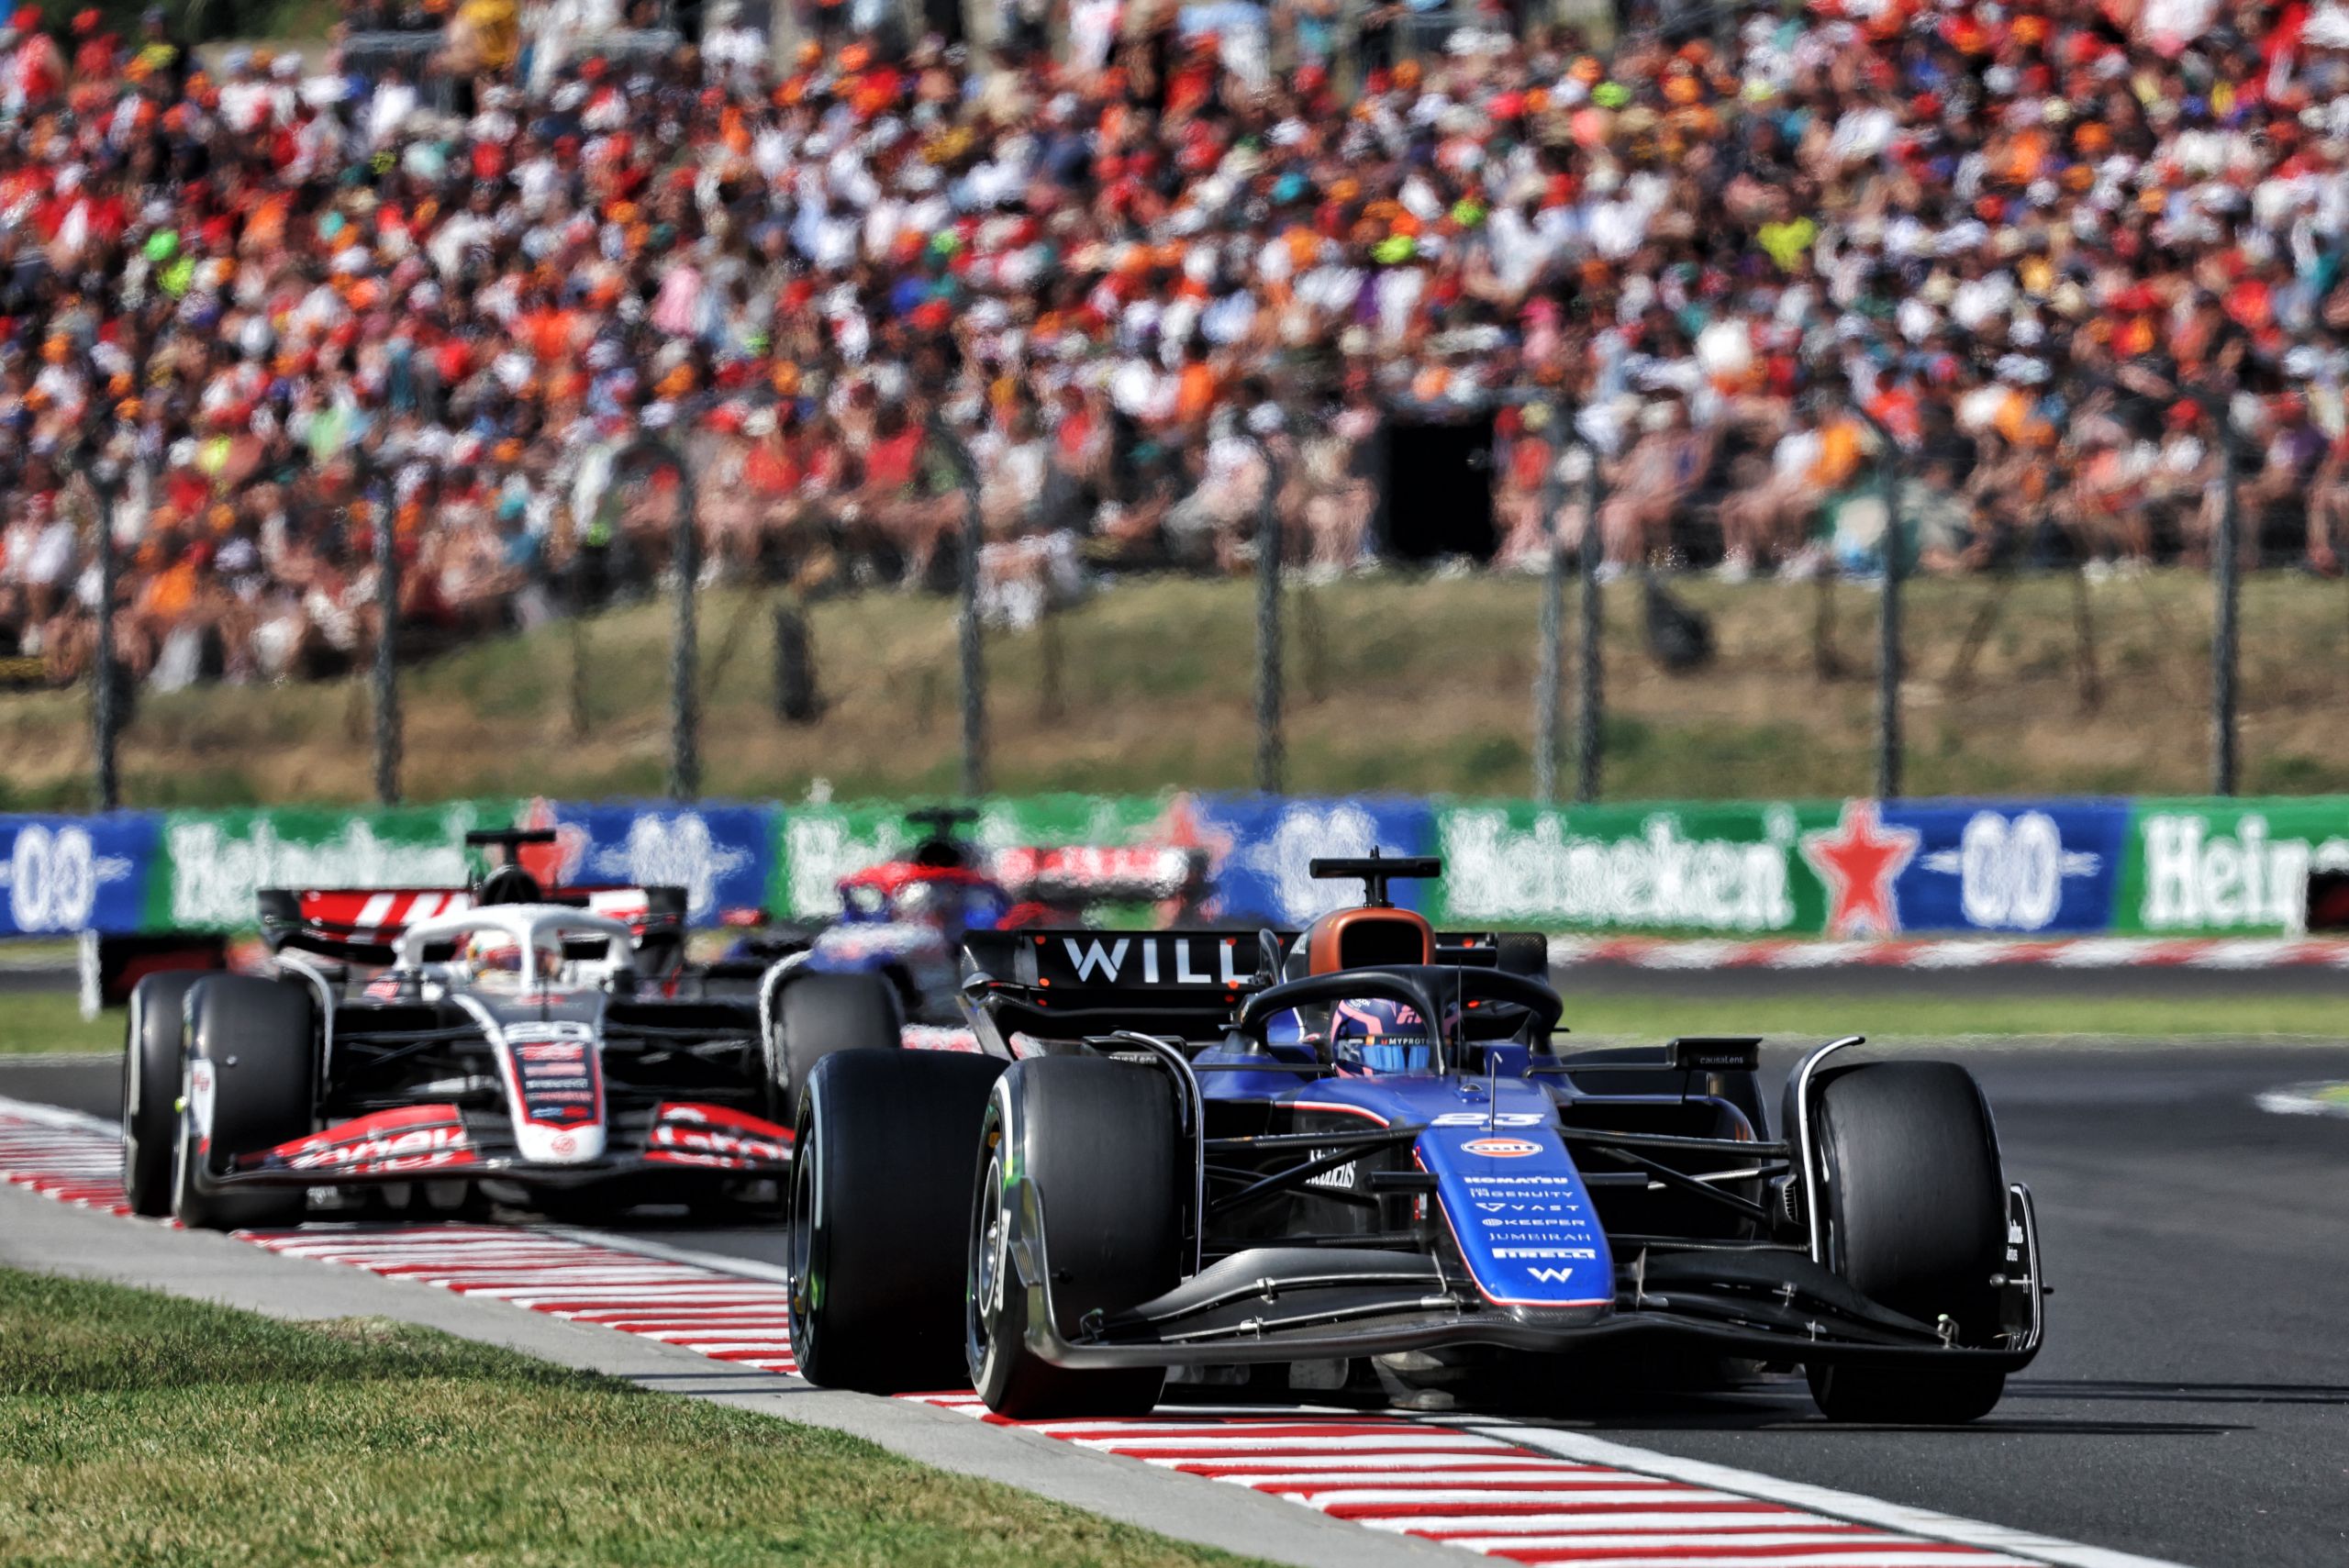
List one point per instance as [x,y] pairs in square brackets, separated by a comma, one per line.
[1915,1206]
[818,1016]
[1101,1141]
[152,1070]
[257,1040]
[880,1192]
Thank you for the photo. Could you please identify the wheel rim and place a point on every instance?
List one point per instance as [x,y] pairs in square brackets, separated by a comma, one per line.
[989,1265]
[132,1103]
[801,1257]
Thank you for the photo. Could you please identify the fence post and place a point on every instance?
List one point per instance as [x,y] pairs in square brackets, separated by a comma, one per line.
[2227,585]
[387,615]
[1548,673]
[1588,701]
[972,645]
[106,695]
[684,654]
[1887,657]
[1269,750]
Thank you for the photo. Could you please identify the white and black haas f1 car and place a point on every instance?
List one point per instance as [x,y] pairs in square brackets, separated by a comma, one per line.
[1355,1156]
[446,1045]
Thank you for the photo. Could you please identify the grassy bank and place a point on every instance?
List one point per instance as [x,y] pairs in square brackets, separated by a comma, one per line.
[35,1022]
[1393,683]
[139,1428]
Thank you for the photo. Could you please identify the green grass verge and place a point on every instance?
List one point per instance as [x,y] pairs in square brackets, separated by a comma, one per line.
[37,1022]
[1620,1018]
[1394,682]
[137,1429]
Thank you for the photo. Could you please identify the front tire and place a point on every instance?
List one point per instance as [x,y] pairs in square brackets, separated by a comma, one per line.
[154,1043]
[1915,1204]
[1101,1141]
[820,1015]
[880,1192]
[257,1041]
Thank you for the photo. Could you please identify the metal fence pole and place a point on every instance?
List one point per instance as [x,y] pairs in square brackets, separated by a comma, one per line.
[387,614]
[2227,585]
[1589,702]
[1269,750]
[106,695]
[684,654]
[1887,658]
[971,641]
[1551,656]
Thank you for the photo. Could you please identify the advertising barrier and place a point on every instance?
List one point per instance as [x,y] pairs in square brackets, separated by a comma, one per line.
[1748,870]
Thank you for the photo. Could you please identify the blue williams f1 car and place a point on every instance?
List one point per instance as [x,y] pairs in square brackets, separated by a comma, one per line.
[1358,1153]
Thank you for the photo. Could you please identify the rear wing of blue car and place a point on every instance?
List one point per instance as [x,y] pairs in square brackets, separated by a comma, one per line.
[1188,982]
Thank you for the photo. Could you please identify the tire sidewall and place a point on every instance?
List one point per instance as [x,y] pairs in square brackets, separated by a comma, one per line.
[264,1078]
[153,1079]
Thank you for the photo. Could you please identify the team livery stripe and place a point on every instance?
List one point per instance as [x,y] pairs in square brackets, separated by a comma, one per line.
[1385,1472]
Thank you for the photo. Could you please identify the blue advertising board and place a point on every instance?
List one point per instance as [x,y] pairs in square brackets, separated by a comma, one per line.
[61,875]
[719,854]
[1264,845]
[2008,865]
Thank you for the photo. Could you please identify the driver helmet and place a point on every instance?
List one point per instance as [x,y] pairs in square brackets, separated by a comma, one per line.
[495,958]
[1378,1036]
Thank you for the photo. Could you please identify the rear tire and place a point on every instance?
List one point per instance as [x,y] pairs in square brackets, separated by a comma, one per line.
[1915,1206]
[821,1014]
[154,1043]
[257,1039]
[880,1190]
[1100,1139]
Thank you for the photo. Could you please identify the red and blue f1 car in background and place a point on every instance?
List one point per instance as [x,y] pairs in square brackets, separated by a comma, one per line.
[1358,1152]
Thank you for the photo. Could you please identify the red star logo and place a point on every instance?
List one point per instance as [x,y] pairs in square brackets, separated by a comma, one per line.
[1858,860]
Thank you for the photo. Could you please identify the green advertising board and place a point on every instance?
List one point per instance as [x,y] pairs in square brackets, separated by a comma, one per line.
[212,862]
[1731,868]
[2221,867]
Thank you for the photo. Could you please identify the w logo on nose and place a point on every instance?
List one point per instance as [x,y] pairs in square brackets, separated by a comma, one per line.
[1552,1276]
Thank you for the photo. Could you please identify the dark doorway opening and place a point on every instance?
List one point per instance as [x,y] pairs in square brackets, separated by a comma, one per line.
[1438,494]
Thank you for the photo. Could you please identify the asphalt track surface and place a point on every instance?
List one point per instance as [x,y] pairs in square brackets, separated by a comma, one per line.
[2192,1402]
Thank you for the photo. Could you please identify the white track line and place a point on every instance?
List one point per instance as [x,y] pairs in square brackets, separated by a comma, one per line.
[2304,1099]
[1820,1499]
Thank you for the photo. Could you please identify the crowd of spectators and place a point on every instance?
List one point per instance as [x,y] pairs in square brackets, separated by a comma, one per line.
[2069,253]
